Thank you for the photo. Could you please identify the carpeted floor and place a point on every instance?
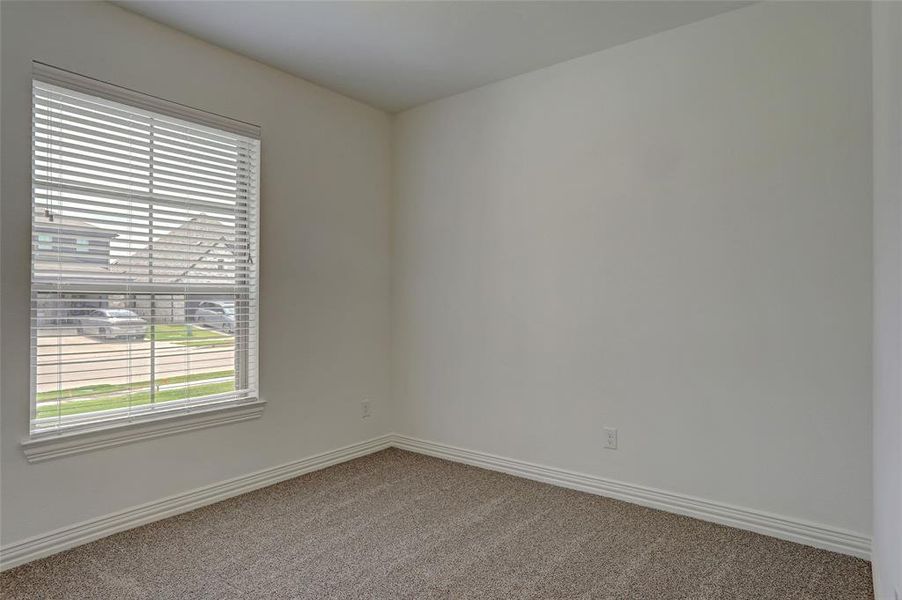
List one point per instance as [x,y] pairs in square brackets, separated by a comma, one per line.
[401,525]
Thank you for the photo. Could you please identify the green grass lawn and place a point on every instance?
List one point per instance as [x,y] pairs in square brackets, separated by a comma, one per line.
[74,407]
[190,335]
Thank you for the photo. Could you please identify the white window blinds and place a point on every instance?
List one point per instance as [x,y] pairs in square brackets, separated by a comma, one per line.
[144,256]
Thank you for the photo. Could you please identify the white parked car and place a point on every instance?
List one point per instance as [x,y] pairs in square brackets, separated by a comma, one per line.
[111,323]
[216,315]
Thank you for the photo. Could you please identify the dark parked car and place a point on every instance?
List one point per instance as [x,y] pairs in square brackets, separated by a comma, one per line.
[216,315]
[111,323]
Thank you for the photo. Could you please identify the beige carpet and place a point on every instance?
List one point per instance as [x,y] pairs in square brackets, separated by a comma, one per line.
[400,525]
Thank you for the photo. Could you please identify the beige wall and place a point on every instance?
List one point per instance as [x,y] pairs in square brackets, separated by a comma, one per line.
[324,263]
[671,237]
[887,552]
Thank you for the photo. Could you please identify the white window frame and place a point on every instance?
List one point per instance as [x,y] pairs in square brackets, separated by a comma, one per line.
[138,424]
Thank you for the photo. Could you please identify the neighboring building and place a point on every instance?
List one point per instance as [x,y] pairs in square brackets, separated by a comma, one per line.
[198,251]
[67,248]
[201,250]
[64,245]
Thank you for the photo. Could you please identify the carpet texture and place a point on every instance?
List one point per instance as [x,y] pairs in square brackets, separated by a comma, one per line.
[400,525]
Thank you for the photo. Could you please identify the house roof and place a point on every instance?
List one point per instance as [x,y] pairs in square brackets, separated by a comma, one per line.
[198,250]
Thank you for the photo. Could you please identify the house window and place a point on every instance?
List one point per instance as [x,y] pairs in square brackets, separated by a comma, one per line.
[45,242]
[152,189]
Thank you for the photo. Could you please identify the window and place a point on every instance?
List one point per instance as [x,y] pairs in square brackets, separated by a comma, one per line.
[144,217]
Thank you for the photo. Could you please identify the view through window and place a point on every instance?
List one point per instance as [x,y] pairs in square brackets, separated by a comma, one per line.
[144,269]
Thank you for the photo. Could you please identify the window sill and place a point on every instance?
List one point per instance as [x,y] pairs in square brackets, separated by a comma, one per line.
[56,445]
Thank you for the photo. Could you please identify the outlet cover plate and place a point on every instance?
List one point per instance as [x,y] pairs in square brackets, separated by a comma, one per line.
[610,438]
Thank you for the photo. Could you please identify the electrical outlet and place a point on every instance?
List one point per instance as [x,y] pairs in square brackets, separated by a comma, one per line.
[610,438]
[365,409]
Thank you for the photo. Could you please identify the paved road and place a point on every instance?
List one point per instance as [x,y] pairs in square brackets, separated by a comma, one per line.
[76,360]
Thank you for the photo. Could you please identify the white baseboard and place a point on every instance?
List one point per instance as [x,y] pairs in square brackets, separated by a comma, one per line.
[793,530]
[64,538]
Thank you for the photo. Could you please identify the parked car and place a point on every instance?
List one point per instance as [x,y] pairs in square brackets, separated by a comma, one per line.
[111,323]
[216,315]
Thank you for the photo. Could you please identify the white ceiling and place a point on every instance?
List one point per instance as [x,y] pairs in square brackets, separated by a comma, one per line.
[395,55]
